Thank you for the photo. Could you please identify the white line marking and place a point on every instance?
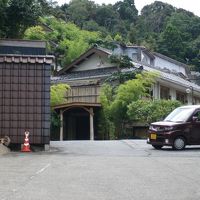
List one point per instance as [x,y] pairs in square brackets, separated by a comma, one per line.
[44,168]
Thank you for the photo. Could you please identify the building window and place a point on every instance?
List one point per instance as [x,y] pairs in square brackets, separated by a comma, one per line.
[196,100]
[164,93]
[180,96]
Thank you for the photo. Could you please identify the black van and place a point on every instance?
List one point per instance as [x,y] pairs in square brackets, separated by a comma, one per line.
[180,128]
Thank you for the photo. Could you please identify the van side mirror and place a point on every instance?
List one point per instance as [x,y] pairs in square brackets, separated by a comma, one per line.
[194,118]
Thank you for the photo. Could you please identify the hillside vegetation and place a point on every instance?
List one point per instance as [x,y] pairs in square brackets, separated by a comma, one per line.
[82,23]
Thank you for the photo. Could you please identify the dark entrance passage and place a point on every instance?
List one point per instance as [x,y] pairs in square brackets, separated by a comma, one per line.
[76,124]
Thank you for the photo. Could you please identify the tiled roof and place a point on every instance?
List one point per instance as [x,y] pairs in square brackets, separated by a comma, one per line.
[103,72]
[170,77]
[14,58]
[105,50]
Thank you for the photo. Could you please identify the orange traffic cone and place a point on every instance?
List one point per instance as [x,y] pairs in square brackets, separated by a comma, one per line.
[26,145]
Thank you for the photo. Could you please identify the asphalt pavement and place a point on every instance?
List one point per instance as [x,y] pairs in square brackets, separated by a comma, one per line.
[101,170]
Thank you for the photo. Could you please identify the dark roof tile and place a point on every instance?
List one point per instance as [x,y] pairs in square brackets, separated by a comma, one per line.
[26,59]
[85,74]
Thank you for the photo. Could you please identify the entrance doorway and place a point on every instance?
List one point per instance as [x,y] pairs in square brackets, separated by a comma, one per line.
[76,124]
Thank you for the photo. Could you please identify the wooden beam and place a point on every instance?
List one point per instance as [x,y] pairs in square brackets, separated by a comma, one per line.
[91,124]
[61,125]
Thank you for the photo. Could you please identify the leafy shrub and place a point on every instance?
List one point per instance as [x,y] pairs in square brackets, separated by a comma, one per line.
[58,94]
[148,111]
[115,102]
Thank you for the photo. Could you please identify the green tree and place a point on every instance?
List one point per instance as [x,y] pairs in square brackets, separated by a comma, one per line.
[106,16]
[151,23]
[20,15]
[80,11]
[154,16]
[70,41]
[3,5]
[171,43]
[35,33]
[121,61]
[118,38]
[127,10]
[106,125]
[58,94]
[115,100]
[148,111]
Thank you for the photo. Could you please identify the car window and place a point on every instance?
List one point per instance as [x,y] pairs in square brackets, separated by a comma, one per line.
[180,115]
[197,115]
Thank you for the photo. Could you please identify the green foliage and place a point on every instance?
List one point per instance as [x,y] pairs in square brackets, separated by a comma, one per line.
[106,125]
[3,5]
[57,96]
[106,16]
[171,43]
[70,39]
[134,89]
[115,101]
[80,11]
[147,111]
[154,16]
[58,93]
[55,120]
[20,15]
[121,61]
[121,77]
[118,38]
[127,10]
[35,33]
[160,27]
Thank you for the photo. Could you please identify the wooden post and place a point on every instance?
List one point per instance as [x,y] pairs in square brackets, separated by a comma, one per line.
[61,125]
[91,124]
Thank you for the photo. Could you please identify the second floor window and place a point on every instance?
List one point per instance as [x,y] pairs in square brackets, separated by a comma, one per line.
[180,96]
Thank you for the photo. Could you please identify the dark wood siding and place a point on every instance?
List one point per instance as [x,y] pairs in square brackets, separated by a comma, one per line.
[22,50]
[25,101]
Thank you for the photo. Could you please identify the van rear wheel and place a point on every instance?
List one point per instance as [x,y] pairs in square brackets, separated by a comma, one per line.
[157,146]
[179,143]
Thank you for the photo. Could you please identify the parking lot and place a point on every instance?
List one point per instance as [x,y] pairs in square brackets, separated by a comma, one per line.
[103,170]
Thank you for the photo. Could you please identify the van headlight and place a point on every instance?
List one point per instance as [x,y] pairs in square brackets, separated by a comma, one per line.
[151,127]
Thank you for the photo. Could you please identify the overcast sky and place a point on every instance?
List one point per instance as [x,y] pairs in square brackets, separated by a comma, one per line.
[191,5]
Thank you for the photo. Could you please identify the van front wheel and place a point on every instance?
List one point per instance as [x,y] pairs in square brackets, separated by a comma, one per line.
[179,143]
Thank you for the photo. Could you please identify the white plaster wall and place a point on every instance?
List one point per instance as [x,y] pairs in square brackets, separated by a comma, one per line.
[161,63]
[129,52]
[118,51]
[93,62]
[145,58]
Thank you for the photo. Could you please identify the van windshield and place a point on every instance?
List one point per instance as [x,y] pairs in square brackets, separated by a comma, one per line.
[179,115]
